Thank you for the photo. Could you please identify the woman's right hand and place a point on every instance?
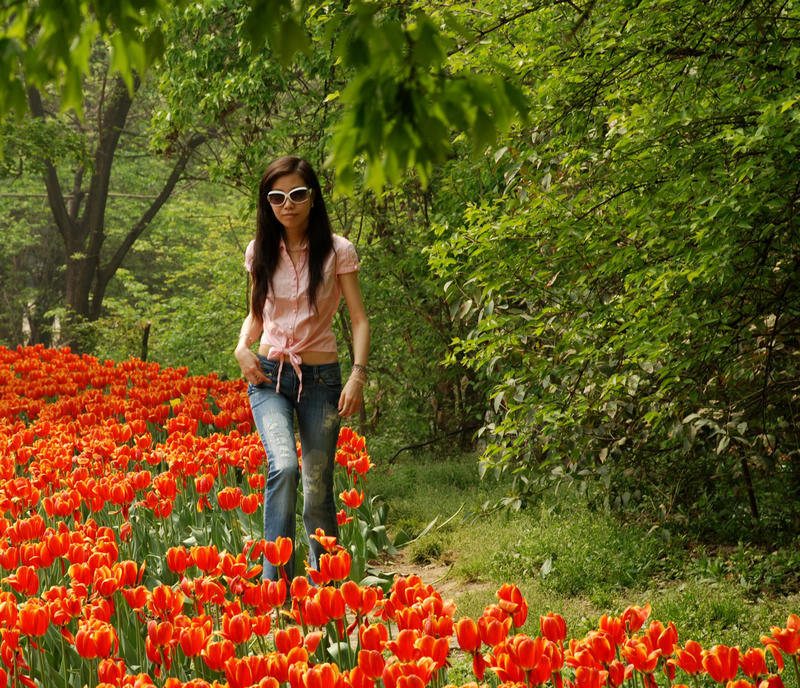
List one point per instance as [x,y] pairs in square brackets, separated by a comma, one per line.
[251,366]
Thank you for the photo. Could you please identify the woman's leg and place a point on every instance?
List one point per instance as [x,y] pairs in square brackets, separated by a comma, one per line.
[274,416]
[318,418]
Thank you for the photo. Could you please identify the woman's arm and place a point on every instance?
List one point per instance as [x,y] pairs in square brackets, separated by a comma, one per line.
[353,392]
[248,361]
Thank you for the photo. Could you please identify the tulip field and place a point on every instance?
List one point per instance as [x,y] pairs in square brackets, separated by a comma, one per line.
[131,550]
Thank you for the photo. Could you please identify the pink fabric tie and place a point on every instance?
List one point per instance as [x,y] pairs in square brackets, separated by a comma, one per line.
[294,359]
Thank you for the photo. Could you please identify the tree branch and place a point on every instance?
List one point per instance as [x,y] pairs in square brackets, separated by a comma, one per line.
[105,273]
[54,194]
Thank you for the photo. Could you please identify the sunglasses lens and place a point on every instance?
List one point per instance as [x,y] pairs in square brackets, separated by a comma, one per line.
[298,195]
[276,197]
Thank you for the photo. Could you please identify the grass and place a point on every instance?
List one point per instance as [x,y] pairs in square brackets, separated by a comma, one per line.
[578,562]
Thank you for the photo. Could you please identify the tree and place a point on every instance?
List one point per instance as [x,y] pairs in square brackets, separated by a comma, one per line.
[404,96]
[92,250]
[634,294]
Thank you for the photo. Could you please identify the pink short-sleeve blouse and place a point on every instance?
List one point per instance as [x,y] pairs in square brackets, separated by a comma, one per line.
[291,326]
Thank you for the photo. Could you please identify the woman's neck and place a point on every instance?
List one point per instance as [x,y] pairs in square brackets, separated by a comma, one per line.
[295,238]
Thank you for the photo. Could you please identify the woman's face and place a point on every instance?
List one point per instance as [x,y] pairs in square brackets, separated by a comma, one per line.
[293,216]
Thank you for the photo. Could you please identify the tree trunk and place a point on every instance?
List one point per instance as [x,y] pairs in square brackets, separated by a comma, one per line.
[83,234]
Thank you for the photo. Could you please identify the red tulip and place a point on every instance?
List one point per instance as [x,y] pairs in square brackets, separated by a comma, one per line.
[722,663]
[553,627]
[229,498]
[279,552]
[634,617]
[374,636]
[34,617]
[467,635]
[788,638]
[251,502]
[352,498]
[512,602]
[371,663]
[177,559]
[217,653]
[690,658]
[193,640]
[753,663]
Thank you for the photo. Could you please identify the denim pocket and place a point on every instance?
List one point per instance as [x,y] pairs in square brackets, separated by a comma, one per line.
[331,377]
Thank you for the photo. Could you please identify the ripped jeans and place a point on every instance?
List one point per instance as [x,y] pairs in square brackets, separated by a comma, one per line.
[318,421]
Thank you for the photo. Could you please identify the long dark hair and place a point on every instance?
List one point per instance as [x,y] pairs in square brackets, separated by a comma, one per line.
[269,232]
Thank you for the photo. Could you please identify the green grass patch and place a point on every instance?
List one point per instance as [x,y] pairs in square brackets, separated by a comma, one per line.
[576,551]
[580,562]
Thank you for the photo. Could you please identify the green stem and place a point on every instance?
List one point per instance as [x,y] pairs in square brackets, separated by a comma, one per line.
[63,659]
[796,669]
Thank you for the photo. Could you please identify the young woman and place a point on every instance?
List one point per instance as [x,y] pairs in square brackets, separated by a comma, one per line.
[299,270]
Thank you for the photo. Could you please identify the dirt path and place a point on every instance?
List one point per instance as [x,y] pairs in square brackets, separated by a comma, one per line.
[435,573]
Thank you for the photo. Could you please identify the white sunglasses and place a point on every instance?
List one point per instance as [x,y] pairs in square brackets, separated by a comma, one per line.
[299,194]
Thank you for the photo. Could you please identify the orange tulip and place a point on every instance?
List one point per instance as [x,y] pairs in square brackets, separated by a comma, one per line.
[615,628]
[229,498]
[237,628]
[352,498]
[286,639]
[217,653]
[193,640]
[279,552]
[553,627]
[251,502]
[373,637]
[634,617]
[640,655]
[788,638]
[722,663]
[205,558]
[690,658]
[177,559]
[467,635]
[371,663]
[753,663]
[34,617]
[328,542]
[511,601]
[493,631]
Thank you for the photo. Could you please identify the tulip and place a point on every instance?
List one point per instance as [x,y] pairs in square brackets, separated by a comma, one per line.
[371,663]
[177,559]
[193,640]
[690,658]
[286,639]
[34,618]
[217,653]
[467,635]
[512,602]
[352,498]
[553,627]
[279,552]
[229,498]
[374,636]
[753,663]
[237,628]
[722,663]
[788,638]
[634,617]
[251,502]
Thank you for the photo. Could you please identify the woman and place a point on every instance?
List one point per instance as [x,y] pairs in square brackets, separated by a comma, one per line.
[299,271]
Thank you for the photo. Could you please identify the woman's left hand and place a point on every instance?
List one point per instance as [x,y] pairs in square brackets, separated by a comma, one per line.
[351,398]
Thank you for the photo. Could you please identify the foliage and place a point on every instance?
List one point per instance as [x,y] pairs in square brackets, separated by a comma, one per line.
[632,295]
[50,43]
[404,96]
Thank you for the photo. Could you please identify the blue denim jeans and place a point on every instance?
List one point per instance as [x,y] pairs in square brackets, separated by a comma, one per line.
[318,422]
